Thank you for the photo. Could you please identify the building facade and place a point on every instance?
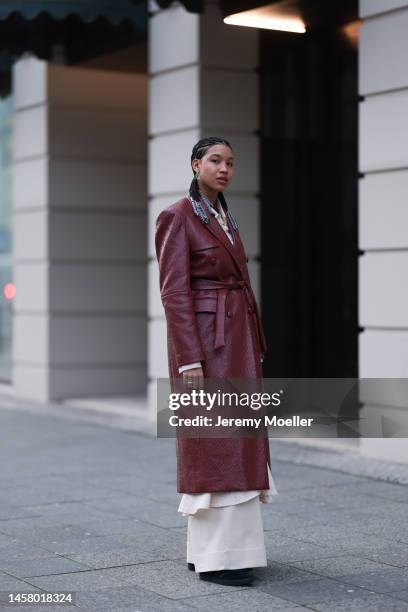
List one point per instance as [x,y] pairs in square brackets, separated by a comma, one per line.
[383,212]
[98,144]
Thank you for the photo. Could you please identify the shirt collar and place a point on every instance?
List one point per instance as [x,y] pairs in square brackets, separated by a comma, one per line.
[210,205]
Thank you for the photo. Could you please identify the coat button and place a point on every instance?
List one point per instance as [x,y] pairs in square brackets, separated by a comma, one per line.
[247,259]
[213,260]
[229,314]
[250,309]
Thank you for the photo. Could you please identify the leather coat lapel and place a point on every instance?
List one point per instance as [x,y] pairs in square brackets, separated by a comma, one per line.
[234,249]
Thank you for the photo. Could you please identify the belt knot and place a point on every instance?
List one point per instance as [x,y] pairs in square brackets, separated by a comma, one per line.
[223,287]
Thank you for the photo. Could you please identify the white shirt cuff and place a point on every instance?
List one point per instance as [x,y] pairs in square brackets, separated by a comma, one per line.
[189,366]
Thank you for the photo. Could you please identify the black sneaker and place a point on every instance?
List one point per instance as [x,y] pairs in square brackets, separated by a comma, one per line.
[236,577]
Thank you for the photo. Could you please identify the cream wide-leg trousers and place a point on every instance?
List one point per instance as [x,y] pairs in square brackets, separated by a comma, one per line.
[228,537]
[225,530]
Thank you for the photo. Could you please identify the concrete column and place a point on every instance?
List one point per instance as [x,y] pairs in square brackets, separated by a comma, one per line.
[79,232]
[383,213]
[203,82]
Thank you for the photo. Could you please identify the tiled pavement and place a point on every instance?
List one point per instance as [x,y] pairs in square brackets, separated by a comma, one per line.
[93,509]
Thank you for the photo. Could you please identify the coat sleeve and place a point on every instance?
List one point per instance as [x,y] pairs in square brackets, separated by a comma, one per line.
[173,255]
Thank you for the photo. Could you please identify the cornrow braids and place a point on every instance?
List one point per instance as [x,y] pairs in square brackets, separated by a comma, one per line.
[227,211]
[199,150]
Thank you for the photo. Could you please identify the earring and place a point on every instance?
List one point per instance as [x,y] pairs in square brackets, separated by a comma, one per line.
[197,176]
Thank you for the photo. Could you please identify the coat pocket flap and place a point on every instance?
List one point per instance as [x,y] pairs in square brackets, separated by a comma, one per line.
[205,304]
[197,248]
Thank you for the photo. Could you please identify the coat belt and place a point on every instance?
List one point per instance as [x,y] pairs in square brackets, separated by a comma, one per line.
[223,287]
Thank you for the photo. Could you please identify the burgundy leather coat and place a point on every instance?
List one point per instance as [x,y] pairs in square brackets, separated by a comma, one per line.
[212,316]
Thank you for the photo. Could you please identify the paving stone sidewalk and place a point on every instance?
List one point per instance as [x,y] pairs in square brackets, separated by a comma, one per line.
[92,509]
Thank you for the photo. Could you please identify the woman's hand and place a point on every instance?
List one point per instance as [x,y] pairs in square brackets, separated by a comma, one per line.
[193,378]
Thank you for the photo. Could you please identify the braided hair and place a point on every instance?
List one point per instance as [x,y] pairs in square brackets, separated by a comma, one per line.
[199,150]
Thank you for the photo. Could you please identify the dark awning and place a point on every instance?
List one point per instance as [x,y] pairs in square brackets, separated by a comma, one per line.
[116,11]
[84,29]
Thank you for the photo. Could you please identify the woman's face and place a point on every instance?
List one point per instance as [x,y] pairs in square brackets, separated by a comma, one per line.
[216,167]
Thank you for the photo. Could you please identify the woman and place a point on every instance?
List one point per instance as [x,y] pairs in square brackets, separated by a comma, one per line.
[214,331]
